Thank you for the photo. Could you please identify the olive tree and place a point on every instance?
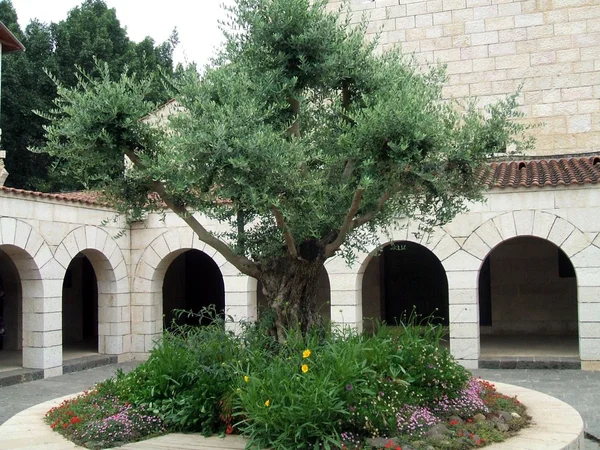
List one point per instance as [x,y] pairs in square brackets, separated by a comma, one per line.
[300,135]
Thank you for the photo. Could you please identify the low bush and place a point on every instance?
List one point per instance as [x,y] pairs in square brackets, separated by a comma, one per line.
[314,391]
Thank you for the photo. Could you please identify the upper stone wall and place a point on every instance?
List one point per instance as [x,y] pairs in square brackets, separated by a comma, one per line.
[552,47]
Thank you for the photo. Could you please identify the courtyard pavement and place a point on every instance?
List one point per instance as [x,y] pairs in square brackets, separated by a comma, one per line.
[580,389]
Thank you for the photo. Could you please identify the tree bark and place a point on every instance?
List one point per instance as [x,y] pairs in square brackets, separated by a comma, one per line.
[290,287]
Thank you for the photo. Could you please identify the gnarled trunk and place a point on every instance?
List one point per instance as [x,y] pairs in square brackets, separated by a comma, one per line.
[290,287]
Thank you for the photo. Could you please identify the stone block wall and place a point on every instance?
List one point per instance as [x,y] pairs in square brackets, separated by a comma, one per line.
[491,47]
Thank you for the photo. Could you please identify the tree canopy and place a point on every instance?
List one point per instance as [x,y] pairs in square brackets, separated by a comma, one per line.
[91,32]
[301,136]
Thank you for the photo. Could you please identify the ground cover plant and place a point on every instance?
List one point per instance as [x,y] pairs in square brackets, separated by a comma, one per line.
[316,390]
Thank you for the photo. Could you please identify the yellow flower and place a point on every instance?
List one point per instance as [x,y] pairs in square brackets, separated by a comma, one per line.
[306,353]
[304,368]
[246,378]
[268,403]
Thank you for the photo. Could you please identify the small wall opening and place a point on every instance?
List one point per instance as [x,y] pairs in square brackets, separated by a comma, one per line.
[404,277]
[528,300]
[323,298]
[11,315]
[79,309]
[193,281]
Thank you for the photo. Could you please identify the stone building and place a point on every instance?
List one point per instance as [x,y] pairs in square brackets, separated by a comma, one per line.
[516,277]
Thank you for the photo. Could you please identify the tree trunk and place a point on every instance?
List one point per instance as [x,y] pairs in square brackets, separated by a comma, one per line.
[290,286]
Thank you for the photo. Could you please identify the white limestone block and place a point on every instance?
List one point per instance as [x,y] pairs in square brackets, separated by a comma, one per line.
[461,261]
[114,345]
[236,299]
[344,298]
[237,283]
[476,246]
[524,222]
[160,247]
[464,349]
[462,280]
[463,313]
[489,234]
[587,276]
[70,244]
[34,243]
[90,236]
[505,224]
[589,294]
[560,231]
[446,247]
[137,343]
[80,238]
[342,282]
[463,297]
[62,256]
[8,227]
[464,330]
[588,257]
[43,211]
[346,314]
[589,349]
[542,224]
[43,257]
[463,225]
[100,240]
[22,235]
[589,330]
[589,312]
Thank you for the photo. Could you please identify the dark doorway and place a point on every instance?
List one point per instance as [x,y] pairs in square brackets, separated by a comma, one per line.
[11,314]
[528,300]
[193,281]
[80,307]
[403,278]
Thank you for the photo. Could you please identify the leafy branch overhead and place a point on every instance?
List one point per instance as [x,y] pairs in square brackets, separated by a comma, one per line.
[299,135]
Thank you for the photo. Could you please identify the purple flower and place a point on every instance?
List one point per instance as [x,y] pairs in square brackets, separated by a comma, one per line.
[348,387]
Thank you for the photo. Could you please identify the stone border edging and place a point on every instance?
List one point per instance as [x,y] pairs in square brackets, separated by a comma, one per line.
[556,426]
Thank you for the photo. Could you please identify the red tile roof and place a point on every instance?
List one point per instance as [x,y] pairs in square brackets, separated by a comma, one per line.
[532,173]
[543,172]
[88,198]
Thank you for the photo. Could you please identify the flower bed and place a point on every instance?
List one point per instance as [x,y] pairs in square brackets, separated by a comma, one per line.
[391,390]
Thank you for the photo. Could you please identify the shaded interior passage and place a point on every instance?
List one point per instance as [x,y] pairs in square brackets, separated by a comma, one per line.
[528,300]
[11,314]
[80,308]
[193,281]
[403,278]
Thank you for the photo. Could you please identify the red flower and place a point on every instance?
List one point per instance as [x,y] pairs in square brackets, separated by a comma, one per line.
[453,422]
[229,429]
[65,425]
[389,444]
[75,420]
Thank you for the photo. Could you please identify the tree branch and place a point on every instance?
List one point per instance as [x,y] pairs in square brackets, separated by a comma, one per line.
[289,239]
[361,220]
[294,129]
[242,263]
[331,248]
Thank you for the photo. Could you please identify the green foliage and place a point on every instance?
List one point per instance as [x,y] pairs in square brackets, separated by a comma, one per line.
[91,32]
[185,379]
[298,113]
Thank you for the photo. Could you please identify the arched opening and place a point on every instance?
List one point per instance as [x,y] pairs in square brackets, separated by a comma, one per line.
[11,315]
[402,278]
[80,309]
[193,281]
[323,297]
[528,302]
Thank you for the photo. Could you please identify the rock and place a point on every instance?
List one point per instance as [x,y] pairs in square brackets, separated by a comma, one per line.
[515,415]
[502,427]
[437,431]
[380,442]
[452,418]
[479,418]
[506,416]
[476,438]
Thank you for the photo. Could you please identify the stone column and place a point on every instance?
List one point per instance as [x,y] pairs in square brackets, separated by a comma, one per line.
[3,172]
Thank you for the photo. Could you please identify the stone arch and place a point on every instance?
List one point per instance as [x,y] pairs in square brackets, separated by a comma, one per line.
[575,244]
[147,321]
[32,259]
[108,262]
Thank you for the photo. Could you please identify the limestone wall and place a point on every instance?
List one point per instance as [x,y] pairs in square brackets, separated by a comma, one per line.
[490,47]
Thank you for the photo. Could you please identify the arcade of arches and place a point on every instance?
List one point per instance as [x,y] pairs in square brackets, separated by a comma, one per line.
[507,283]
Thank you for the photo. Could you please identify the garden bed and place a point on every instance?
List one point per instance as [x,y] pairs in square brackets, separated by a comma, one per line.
[389,390]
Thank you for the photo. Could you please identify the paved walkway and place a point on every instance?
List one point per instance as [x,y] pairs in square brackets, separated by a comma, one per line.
[581,389]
